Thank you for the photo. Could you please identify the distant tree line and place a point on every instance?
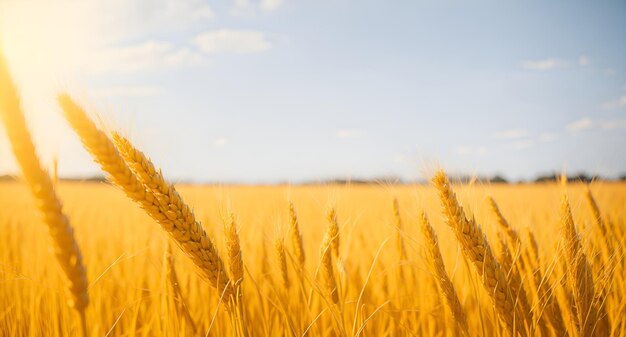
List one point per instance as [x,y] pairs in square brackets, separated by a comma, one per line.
[394,180]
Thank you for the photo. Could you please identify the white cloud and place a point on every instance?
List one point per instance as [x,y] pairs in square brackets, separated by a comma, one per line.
[349,133]
[546,64]
[609,72]
[129,91]
[270,5]
[466,150]
[527,142]
[242,6]
[220,142]
[145,56]
[250,8]
[583,60]
[232,41]
[579,125]
[615,104]
[615,124]
[547,137]
[522,144]
[510,134]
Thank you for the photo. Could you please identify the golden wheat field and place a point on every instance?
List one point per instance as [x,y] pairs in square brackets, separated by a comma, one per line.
[140,256]
[381,291]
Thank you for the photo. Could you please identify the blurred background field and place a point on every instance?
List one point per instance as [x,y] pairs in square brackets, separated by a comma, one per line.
[124,251]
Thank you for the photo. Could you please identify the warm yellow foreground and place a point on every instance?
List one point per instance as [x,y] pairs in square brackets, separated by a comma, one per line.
[123,250]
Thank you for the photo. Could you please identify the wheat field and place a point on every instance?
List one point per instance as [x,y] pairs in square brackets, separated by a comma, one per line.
[139,256]
[130,294]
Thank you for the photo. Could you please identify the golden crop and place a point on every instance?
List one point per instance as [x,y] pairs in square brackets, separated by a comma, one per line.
[142,257]
[123,250]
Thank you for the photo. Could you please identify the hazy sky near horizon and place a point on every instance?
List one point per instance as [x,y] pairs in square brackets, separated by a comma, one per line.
[283,90]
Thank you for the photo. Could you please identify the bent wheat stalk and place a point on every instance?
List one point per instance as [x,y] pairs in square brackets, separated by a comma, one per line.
[41,186]
[477,250]
[159,199]
[444,284]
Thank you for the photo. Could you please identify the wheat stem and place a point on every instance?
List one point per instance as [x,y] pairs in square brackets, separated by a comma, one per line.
[66,248]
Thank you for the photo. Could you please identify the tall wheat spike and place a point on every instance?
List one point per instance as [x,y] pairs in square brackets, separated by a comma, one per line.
[281,259]
[444,284]
[296,237]
[66,248]
[608,238]
[580,276]
[599,221]
[233,251]
[183,226]
[168,210]
[398,222]
[333,231]
[512,235]
[476,249]
[326,264]
[510,258]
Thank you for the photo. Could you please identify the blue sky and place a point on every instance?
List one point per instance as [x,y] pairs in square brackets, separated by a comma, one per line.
[271,90]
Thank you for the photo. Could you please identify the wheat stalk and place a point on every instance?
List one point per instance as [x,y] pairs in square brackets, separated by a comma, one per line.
[172,277]
[296,237]
[476,249]
[183,226]
[513,276]
[547,305]
[580,276]
[595,210]
[444,284]
[233,252]
[326,264]
[66,248]
[333,231]
[399,238]
[167,209]
[281,259]
[512,235]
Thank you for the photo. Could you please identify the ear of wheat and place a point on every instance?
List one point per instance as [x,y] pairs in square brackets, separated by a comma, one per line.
[444,284]
[512,235]
[158,198]
[326,265]
[333,231]
[581,278]
[296,237]
[477,250]
[398,222]
[233,251]
[281,261]
[65,246]
[183,226]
